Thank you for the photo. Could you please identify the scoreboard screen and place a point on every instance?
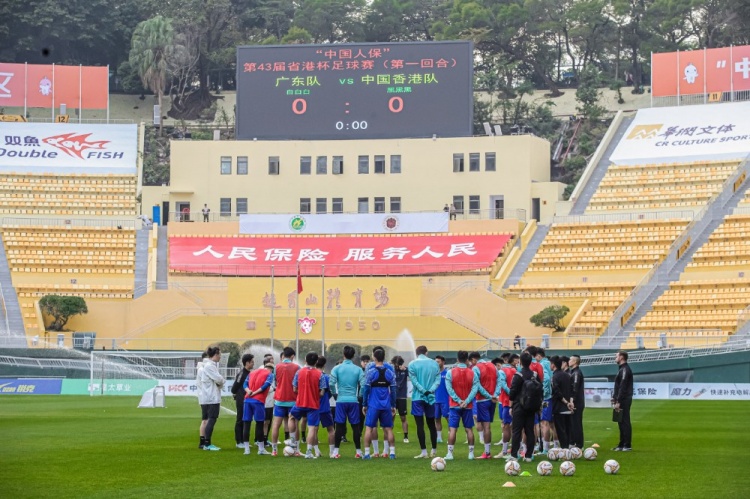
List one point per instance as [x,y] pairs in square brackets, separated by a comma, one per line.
[355,91]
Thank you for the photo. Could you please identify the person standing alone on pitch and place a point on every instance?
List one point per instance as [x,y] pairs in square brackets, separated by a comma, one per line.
[462,384]
[239,396]
[425,379]
[579,400]
[285,396]
[622,399]
[204,419]
[526,394]
[209,389]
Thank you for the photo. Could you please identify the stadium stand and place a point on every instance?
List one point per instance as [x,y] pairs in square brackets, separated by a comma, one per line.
[660,186]
[67,195]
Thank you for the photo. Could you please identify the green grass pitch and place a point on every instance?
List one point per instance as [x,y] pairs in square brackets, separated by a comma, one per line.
[68,446]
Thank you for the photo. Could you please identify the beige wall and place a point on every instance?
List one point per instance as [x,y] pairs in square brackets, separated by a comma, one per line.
[426,182]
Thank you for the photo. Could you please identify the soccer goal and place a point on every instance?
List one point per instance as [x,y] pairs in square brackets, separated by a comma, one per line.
[123,372]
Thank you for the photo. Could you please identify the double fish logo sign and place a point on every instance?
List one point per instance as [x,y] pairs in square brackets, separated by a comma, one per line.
[74,145]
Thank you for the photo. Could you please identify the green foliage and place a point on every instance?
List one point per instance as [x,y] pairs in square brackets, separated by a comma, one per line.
[234,352]
[306,346]
[61,309]
[389,352]
[129,79]
[335,353]
[587,94]
[550,317]
[296,35]
[151,47]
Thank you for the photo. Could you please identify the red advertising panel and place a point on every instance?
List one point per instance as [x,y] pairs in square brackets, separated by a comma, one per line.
[95,87]
[718,70]
[741,68]
[39,85]
[11,85]
[47,85]
[407,255]
[692,72]
[664,74]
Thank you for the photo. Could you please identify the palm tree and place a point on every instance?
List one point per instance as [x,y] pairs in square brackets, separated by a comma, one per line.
[151,46]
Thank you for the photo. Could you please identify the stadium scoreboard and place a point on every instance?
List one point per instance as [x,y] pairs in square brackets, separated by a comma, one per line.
[355,91]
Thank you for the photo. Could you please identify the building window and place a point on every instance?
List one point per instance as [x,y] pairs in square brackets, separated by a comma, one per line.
[321,205]
[241,206]
[363,165]
[396,163]
[458,162]
[458,204]
[379,164]
[379,205]
[304,205]
[321,165]
[273,165]
[225,207]
[241,165]
[337,205]
[396,205]
[474,205]
[363,205]
[338,165]
[474,162]
[489,162]
[226,165]
[305,165]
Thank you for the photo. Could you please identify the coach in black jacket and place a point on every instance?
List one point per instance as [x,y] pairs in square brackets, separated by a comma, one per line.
[562,401]
[239,395]
[622,398]
[579,400]
[523,421]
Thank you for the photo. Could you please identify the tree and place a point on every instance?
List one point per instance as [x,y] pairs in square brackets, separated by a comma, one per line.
[588,94]
[231,348]
[550,317]
[61,309]
[150,49]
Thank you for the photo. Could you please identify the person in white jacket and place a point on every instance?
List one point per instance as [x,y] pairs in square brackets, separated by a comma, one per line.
[204,419]
[210,383]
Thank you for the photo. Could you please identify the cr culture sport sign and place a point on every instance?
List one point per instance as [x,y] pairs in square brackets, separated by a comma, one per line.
[52,146]
[686,133]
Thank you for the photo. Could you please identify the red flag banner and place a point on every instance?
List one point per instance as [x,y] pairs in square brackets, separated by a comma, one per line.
[12,80]
[299,281]
[697,72]
[364,255]
[47,85]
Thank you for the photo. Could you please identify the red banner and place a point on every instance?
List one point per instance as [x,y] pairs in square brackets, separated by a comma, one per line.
[407,255]
[700,71]
[48,85]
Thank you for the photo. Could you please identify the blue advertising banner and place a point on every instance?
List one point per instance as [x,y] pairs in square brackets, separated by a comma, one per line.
[30,386]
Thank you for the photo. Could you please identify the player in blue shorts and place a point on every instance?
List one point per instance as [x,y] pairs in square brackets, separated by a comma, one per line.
[462,384]
[504,378]
[425,379]
[547,414]
[326,420]
[441,399]
[345,382]
[379,400]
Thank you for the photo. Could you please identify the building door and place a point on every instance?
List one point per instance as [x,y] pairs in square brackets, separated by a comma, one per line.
[498,207]
[183,211]
[165,212]
[535,209]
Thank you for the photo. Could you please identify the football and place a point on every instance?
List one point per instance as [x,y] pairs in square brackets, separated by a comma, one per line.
[512,468]
[553,454]
[544,468]
[575,453]
[567,468]
[289,451]
[590,454]
[438,464]
[563,454]
[611,467]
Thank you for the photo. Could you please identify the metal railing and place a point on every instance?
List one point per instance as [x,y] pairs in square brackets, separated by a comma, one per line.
[625,217]
[5,312]
[67,222]
[465,214]
[698,99]
[669,353]
[87,121]
[331,270]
